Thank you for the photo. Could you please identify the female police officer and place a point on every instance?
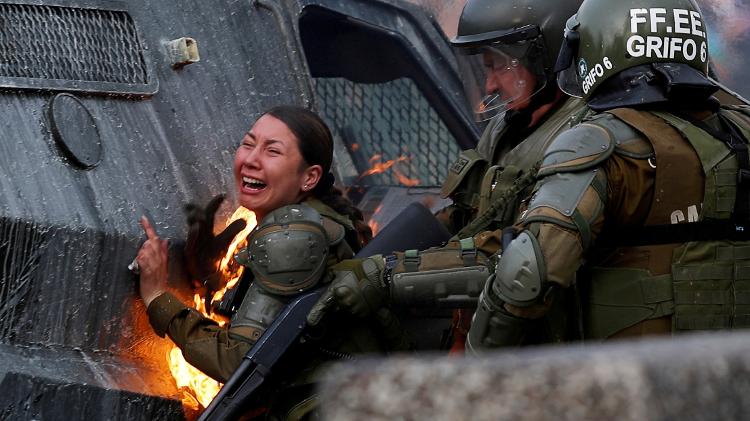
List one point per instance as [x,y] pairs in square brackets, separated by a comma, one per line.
[281,172]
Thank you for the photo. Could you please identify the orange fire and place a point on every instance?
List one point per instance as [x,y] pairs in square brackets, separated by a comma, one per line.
[374,226]
[196,388]
[377,166]
[406,181]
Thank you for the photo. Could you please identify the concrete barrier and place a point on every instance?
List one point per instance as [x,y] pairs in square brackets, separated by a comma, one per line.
[692,377]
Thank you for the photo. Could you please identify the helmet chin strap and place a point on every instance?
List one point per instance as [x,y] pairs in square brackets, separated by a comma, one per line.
[520,119]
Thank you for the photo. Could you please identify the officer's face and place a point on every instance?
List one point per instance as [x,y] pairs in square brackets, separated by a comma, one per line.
[508,78]
[269,170]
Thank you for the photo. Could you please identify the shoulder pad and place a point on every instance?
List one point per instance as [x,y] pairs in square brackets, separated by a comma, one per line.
[300,212]
[584,146]
[459,170]
[745,109]
[334,223]
[288,251]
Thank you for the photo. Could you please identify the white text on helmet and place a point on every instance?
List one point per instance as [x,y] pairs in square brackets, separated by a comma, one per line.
[597,71]
[655,20]
[665,47]
[658,20]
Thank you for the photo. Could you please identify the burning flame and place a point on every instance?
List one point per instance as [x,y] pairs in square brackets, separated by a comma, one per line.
[406,181]
[377,166]
[374,226]
[196,388]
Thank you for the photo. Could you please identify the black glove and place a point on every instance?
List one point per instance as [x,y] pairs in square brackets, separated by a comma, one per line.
[204,250]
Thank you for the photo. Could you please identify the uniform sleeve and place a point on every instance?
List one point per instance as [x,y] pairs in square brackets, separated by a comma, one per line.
[619,195]
[215,350]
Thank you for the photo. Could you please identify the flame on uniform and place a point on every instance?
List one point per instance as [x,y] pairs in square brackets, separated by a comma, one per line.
[197,389]
[378,166]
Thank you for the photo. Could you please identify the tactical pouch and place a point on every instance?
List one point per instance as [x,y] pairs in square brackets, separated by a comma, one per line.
[450,277]
[711,286]
[454,254]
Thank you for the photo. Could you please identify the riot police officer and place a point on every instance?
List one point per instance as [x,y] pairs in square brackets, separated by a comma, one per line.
[281,172]
[513,45]
[516,43]
[649,196]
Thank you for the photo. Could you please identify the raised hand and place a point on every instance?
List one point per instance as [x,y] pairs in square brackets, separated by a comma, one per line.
[153,261]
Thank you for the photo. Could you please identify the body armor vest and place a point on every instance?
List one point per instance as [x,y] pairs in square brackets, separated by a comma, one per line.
[687,275]
[491,180]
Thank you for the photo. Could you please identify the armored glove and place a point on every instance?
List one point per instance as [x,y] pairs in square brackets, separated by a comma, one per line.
[204,250]
[358,288]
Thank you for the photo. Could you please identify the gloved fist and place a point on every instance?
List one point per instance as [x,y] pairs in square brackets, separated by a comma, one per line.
[358,289]
[203,249]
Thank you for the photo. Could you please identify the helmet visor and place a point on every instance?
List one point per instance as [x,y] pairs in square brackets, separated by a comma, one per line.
[568,71]
[502,77]
[569,81]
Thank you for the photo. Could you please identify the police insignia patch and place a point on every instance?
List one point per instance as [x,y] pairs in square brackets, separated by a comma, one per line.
[583,68]
[459,165]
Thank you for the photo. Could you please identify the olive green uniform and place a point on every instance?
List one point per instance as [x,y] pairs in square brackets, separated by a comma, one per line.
[487,185]
[218,351]
[620,178]
[503,157]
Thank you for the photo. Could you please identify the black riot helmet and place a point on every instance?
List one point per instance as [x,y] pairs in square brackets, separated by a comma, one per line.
[518,41]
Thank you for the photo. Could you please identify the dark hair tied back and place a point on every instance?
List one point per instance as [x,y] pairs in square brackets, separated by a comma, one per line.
[325,183]
[316,146]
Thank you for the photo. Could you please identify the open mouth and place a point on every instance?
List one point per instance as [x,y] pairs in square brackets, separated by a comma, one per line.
[253,183]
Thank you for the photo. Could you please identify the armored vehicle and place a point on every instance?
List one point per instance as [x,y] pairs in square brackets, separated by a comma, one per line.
[110,110]
[113,109]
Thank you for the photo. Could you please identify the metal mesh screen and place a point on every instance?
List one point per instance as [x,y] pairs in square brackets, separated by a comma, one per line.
[41,42]
[20,248]
[390,126]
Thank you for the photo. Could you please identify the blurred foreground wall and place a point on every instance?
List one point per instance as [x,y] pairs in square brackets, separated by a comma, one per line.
[697,377]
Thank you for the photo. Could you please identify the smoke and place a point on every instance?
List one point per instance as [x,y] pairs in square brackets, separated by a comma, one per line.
[728,22]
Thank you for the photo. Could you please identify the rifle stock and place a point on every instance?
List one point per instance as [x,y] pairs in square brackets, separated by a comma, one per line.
[259,362]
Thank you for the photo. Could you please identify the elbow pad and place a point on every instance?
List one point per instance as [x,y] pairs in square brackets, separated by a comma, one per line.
[518,280]
[520,272]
